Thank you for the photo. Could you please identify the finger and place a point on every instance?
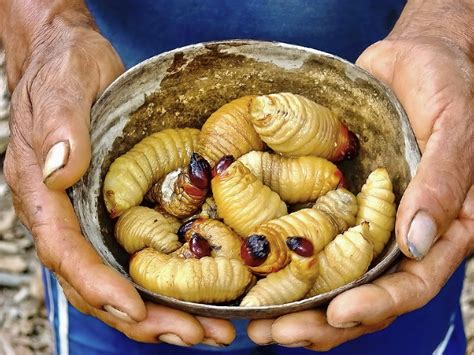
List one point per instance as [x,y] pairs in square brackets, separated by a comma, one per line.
[217,332]
[260,331]
[161,325]
[307,329]
[438,109]
[414,285]
[61,247]
[61,96]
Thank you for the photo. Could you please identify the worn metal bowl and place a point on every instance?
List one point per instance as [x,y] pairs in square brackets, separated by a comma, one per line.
[181,88]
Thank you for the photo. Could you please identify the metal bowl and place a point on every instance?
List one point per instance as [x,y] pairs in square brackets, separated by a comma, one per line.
[181,88]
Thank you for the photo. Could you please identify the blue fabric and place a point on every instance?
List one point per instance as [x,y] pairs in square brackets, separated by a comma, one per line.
[139,29]
[419,332]
[143,28]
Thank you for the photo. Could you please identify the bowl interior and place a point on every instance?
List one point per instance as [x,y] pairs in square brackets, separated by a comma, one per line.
[183,87]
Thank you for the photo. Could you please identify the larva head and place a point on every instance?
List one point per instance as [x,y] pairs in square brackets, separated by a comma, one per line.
[199,246]
[222,165]
[349,145]
[199,171]
[183,230]
[255,250]
[353,146]
[300,246]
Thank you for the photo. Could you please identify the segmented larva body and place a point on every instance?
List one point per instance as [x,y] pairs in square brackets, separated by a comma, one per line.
[228,131]
[172,197]
[139,227]
[222,240]
[295,126]
[377,206]
[182,191]
[209,209]
[289,284]
[343,260]
[330,216]
[205,280]
[295,179]
[243,201]
[131,175]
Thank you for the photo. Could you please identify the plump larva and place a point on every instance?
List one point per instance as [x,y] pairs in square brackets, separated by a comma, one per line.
[222,240]
[343,260]
[140,227]
[131,175]
[243,201]
[204,280]
[182,191]
[295,179]
[295,126]
[330,216]
[289,284]
[228,131]
[377,206]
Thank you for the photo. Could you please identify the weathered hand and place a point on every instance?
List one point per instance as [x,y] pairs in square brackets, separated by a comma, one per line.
[67,65]
[433,77]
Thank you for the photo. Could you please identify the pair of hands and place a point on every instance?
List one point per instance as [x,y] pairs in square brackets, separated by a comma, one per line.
[49,150]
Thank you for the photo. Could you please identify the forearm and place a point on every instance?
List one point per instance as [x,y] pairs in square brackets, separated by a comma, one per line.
[30,26]
[450,20]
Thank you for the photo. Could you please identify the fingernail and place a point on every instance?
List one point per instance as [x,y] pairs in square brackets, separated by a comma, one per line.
[421,235]
[172,339]
[56,159]
[118,313]
[300,344]
[212,342]
[346,325]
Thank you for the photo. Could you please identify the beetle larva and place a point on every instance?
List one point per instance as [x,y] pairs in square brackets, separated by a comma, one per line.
[182,191]
[265,250]
[222,240]
[295,179]
[131,175]
[343,260]
[295,126]
[289,284]
[205,280]
[243,201]
[377,206]
[228,131]
[139,227]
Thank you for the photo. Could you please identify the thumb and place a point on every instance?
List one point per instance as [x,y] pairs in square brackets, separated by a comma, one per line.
[440,119]
[61,97]
[435,196]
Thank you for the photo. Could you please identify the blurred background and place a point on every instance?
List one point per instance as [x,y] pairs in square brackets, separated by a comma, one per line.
[24,327]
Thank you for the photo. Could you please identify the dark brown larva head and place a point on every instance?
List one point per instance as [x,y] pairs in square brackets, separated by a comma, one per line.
[199,246]
[300,246]
[222,164]
[199,171]
[255,250]
[185,227]
[353,146]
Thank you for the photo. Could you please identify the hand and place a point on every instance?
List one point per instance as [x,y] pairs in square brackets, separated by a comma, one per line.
[433,77]
[67,67]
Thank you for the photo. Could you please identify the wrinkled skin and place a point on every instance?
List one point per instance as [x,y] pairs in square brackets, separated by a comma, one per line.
[433,76]
[57,69]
